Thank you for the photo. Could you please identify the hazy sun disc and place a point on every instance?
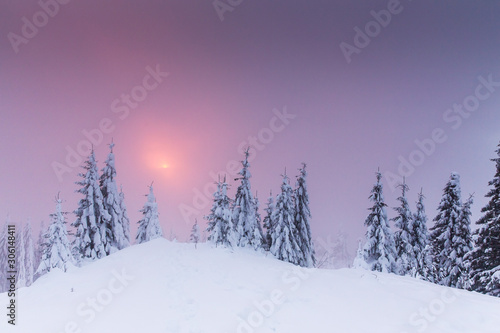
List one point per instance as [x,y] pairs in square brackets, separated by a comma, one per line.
[164,166]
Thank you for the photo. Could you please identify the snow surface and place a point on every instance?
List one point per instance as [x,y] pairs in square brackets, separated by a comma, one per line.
[173,287]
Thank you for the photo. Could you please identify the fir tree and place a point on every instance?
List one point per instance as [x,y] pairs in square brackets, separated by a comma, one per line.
[302,220]
[39,247]
[220,226]
[462,246]
[114,205]
[420,242]
[149,225]
[56,251]
[92,223]
[379,251]
[125,218]
[195,234]
[485,258]
[30,254]
[284,244]
[404,235]
[21,258]
[249,231]
[449,236]
[268,222]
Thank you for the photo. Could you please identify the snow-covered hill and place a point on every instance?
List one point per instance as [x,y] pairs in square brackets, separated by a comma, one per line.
[170,287]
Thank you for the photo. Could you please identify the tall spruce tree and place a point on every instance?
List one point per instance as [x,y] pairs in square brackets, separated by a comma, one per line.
[125,218]
[92,222]
[420,242]
[249,231]
[462,246]
[379,251]
[220,225]
[268,222]
[404,235]
[30,254]
[56,251]
[302,220]
[284,245]
[445,235]
[485,258]
[149,225]
[113,203]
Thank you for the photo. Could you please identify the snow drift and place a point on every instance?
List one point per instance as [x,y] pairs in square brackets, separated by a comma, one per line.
[166,287]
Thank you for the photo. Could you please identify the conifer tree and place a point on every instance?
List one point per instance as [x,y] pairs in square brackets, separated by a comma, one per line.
[268,222]
[39,247]
[195,234]
[125,218]
[421,248]
[284,244]
[56,250]
[485,258]
[30,254]
[302,220]
[379,251]
[113,203]
[404,235]
[249,231]
[462,246]
[92,223]
[448,236]
[21,258]
[220,225]
[149,225]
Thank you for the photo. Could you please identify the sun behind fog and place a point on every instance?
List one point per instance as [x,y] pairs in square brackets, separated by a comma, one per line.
[164,166]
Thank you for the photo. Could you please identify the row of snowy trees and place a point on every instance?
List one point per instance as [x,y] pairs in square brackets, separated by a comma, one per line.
[237,222]
[450,255]
[101,227]
[27,258]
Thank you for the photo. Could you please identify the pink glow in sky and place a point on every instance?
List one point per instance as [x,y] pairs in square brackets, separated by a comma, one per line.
[225,79]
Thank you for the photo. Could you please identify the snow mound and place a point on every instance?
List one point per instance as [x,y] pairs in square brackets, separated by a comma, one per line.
[166,287]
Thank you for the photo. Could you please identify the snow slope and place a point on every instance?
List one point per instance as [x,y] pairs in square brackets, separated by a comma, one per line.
[166,287]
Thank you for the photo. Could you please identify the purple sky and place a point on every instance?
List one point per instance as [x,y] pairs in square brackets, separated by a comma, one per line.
[225,79]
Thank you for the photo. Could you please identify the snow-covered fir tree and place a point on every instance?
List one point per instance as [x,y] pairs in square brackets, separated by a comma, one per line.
[249,231]
[118,238]
[3,258]
[39,247]
[379,251]
[420,242]
[485,258]
[359,260]
[56,251]
[258,218]
[30,254]
[149,225]
[92,222]
[404,234]
[21,258]
[125,218]
[195,234]
[284,245]
[302,220]
[268,222]
[448,236]
[462,245]
[220,226]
